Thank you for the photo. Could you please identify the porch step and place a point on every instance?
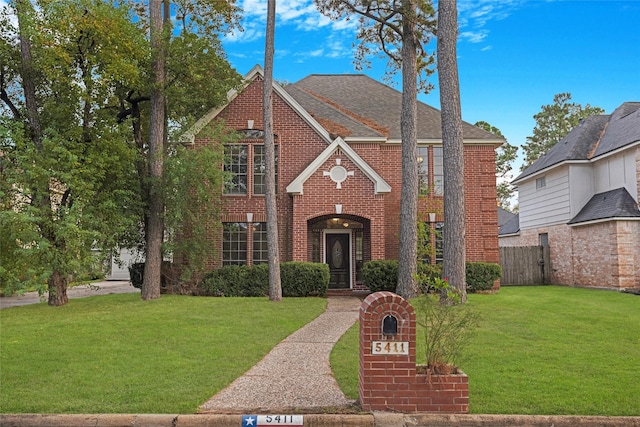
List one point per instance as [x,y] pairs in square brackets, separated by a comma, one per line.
[347,293]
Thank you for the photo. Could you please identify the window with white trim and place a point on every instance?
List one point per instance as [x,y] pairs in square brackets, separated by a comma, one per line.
[260,254]
[235,167]
[259,169]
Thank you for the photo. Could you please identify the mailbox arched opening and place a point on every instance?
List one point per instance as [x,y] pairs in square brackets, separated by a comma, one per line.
[390,325]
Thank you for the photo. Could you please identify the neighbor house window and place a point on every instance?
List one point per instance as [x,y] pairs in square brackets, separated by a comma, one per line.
[260,252]
[259,169]
[235,167]
[541,182]
[423,170]
[234,243]
[438,172]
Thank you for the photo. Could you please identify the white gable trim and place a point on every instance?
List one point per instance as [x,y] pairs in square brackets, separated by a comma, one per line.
[190,134]
[379,184]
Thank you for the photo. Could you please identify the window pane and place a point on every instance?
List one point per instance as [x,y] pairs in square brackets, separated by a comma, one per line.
[439,238]
[234,243]
[259,168]
[423,170]
[438,172]
[235,166]
[260,253]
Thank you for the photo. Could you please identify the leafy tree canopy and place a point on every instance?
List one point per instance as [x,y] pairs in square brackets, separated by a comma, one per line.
[505,156]
[553,123]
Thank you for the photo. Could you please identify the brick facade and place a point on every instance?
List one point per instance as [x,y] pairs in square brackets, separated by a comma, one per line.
[599,255]
[299,144]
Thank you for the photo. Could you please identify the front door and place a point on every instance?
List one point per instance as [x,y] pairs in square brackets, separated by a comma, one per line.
[338,256]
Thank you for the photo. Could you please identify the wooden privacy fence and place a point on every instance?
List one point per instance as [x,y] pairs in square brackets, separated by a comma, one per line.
[525,265]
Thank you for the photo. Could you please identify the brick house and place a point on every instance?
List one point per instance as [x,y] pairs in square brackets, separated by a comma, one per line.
[339,175]
[581,199]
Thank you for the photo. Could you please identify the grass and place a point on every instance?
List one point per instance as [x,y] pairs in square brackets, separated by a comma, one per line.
[541,350]
[118,354]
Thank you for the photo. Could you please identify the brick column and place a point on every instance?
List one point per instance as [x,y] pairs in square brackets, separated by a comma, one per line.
[389,380]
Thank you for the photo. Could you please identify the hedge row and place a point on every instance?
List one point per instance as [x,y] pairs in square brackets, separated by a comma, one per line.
[298,279]
[383,275]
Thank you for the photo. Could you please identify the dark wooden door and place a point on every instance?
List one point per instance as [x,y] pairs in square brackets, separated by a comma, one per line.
[339,260]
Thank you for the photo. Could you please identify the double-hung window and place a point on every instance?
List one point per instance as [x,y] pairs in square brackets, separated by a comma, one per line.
[438,172]
[260,253]
[259,169]
[235,167]
[234,243]
[423,170]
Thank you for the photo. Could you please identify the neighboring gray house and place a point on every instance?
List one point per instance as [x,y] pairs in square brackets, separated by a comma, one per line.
[581,199]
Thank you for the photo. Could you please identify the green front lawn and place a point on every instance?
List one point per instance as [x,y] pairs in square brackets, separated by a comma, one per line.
[118,354]
[542,350]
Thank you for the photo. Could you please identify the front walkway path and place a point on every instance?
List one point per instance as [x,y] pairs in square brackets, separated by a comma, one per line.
[296,374]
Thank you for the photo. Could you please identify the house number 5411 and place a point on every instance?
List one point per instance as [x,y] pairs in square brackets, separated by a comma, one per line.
[390,347]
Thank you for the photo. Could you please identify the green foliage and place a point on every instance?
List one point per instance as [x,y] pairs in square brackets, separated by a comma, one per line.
[506,154]
[299,279]
[193,189]
[447,325]
[481,275]
[553,123]
[68,185]
[380,275]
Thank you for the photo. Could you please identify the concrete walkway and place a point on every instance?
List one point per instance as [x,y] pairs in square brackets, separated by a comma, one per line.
[82,291]
[296,374]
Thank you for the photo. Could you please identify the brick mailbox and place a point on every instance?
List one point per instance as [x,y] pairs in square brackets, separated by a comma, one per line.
[389,378]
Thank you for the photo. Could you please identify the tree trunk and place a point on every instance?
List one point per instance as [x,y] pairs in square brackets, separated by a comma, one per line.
[409,192]
[58,284]
[155,229]
[275,287]
[453,148]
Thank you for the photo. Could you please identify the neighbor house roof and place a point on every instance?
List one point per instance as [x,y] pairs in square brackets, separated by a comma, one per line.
[611,204]
[510,227]
[595,136]
[361,107]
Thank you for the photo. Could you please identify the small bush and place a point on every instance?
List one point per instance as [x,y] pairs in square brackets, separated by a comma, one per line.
[383,275]
[302,279]
[481,275]
[380,275]
[427,273]
[168,274]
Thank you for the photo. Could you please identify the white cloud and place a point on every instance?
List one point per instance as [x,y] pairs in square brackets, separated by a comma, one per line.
[474,36]
[474,15]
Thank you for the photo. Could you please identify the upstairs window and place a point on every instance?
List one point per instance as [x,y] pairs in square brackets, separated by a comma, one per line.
[259,168]
[423,171]
[541,182]
[438,172]
[235,167]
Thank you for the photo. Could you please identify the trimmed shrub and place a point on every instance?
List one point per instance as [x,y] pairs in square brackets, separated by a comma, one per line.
[298,279]
[481,275]
[302,279]
[380,275]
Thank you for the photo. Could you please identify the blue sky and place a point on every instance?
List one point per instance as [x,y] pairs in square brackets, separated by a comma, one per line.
[513,55]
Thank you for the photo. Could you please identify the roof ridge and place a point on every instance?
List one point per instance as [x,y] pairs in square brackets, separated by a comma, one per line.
[371,124]
[593,150]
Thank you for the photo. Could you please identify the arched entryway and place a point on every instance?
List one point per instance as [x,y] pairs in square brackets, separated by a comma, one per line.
[344,243]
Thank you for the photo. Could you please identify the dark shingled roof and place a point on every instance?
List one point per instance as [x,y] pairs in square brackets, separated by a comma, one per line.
[510,227]
[504,216]
[593,137]
[367,107]
[616,203]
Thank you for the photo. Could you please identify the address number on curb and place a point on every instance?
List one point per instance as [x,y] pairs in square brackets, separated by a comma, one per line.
[272,420]
[390,347]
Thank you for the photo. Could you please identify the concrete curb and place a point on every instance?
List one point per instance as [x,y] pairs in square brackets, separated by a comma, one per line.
[376,419]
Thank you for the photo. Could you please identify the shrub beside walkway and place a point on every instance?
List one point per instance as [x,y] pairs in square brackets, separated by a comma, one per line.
[296,374]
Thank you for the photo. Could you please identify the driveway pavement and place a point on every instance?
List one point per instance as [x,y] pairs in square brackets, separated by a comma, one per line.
[90,290]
